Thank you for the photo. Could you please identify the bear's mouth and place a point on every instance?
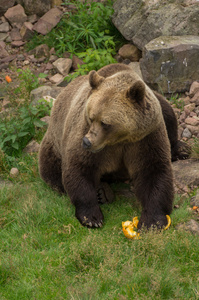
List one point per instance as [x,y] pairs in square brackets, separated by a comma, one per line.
[96,150]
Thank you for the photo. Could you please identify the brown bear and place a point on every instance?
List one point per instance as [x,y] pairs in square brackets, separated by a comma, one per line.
[109,125]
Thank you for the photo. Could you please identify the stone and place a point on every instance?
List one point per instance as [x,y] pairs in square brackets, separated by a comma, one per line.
[48,21]
[189,108]
[43,91]
[192,226]
[130,52]
[14,172]
[26,31]
[3,36]
[75,62]
[186,133]
[3,52]
[38,7]
[40,51]
[4,5]
[17,43]
[142,21]
[169,63]
[32,18]
[63,65]
[56,3]
[186,172]
[32,147]
[194,88]
[56,79]
[192,121]
[16,15]
[193,129]
[136,68]
[4,27]
[15,34]
[8,58]
[195,98]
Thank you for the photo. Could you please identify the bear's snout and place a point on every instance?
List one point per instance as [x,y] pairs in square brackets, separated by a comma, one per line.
[86,143]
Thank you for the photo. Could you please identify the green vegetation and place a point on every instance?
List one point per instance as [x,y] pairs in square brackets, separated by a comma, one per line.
[46,254]
[87,32]
[44,251]
[21,123]
[179,102]
[195,149]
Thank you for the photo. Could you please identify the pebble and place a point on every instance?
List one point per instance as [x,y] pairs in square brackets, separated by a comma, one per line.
[186,133]
[14,172]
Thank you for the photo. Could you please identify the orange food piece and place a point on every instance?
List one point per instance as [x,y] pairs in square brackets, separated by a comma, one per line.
[129,228]
[8,79]
[195,207]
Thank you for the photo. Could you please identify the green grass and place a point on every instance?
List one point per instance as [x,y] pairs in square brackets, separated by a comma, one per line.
[46,254]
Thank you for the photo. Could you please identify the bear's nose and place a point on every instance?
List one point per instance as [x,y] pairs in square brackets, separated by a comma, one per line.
[86,143]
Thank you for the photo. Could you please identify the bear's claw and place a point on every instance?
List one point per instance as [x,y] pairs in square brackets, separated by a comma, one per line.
[91,218]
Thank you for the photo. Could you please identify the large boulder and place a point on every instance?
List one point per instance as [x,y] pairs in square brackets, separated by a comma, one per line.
[143,21]
[171,63]
[38,7]
[4,5]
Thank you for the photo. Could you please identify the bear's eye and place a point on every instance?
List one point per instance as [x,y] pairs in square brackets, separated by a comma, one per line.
[91,120]
[105,126]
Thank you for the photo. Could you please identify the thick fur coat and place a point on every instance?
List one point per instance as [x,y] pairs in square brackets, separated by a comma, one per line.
[109,126]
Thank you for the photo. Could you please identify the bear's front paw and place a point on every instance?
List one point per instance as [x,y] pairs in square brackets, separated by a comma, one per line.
[91,217]
[149,221]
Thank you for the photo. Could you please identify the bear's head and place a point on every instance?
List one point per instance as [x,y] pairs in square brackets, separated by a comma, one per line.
[118,110]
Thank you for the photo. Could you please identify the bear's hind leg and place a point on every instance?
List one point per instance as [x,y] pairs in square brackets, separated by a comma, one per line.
[50,167]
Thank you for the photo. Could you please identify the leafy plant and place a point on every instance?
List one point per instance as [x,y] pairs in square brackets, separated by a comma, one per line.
[179,102]
[88,25]
[28,82]
[19,126]
[93,60]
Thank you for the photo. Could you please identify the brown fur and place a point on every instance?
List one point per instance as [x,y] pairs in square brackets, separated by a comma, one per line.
[109,124]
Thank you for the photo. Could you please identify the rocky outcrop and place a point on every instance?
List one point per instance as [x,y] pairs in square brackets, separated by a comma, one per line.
[38,7]
[143,21]
[170,63]
[4,5]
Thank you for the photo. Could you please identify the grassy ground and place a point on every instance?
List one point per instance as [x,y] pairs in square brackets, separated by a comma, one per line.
[46,254]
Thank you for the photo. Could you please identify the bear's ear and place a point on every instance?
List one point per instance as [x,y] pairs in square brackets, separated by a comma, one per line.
[136,93]
[95,79]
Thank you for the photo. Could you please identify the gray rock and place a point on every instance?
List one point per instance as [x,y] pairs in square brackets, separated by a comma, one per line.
[16,15]
[4,27]
[169,63]
[63,65]
[26,31]
[186,133]
[15,34]
[4,5]
[3,52]
[38,7]
[186,172]
[129,51]
[143,21]
[48,21]
[42,91]
[32,147]
[136,68]
[40,51]
[3,36]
